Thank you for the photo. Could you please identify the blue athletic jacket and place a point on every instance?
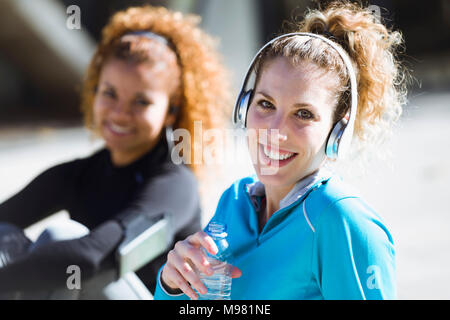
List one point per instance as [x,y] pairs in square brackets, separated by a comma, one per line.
[326,244]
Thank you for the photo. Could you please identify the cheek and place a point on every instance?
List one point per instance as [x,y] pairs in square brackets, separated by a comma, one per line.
[254,119]
[310,139]
[98,109]
[257,127]
[257,131]
[152,119]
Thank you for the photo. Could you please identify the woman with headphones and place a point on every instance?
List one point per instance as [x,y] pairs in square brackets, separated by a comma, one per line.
[296,230]
[153,70]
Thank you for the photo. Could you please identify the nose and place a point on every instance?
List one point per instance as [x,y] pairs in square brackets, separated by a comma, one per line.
[278,129]
[120,110]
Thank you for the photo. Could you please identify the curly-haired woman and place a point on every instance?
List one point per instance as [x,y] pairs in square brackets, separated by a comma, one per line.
[154,70]
[297,231]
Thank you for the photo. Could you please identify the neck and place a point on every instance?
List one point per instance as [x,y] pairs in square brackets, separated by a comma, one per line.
[121,158]
[273,197]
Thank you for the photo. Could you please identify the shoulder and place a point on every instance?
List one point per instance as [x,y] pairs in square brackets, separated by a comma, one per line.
[339,209]
[330,191]
[233,199]
[174,174]
[327,195]
[81,162]
[169,181]
[71,168]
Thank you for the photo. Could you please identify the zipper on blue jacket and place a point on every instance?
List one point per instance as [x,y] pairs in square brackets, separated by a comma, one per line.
[282,210]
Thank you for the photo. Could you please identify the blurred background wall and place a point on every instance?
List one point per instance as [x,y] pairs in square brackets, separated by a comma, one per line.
[42,63]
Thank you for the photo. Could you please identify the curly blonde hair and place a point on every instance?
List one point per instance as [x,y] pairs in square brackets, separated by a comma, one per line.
[373,50]
[205,85]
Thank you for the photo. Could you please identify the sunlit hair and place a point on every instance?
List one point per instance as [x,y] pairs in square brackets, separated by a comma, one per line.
[203,90]
[373,50]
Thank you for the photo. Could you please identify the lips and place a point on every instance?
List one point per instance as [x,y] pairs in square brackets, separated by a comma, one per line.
[276,157]
[277,154]
[119,130]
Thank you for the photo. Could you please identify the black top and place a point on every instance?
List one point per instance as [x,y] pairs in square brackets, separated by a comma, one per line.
[98,195]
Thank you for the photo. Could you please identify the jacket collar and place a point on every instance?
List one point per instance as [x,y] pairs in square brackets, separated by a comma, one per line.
[256,190]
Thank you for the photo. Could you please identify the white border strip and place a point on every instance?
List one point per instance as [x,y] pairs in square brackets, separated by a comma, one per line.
[306,217]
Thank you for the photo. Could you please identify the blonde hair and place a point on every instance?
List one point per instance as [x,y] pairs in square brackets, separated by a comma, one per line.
[372,48]
[205,86]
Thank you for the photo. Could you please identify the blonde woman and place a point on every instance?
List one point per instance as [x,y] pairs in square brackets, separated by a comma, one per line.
[296,230]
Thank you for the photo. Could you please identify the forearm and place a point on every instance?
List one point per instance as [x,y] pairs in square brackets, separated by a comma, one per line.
[43,196]
[45,268]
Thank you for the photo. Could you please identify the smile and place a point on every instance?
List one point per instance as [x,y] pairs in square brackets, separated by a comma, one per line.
[277,155]
[118,129]
[275,158]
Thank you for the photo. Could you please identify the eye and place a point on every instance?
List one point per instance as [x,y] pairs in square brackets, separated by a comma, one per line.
[142,102]
[305,114]
[109,93]
[265,105]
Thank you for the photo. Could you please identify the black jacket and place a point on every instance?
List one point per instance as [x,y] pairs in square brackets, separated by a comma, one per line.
[100,196]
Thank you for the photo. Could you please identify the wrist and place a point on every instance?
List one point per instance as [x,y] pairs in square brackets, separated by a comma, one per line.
[168,288]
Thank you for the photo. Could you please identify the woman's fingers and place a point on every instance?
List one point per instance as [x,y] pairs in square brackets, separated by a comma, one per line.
[173,278]
[186,259]
[202,239]
[236,272]
[185,269]
[190,251]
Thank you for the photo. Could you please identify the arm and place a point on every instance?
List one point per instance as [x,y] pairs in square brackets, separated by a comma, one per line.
[45,267]
[42,197]
[353,255]
[162,290]
[172,192]
[178,270]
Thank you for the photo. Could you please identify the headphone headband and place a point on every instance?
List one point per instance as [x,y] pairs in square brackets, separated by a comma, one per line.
[148,34]
[341,134]
[152,36]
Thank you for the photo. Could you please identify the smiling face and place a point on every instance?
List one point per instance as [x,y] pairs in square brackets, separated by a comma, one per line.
[131,108]
[296,101]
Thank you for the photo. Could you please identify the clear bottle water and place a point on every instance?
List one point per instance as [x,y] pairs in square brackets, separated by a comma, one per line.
[218,284]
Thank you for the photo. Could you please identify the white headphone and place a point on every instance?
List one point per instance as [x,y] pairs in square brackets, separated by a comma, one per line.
[340,136]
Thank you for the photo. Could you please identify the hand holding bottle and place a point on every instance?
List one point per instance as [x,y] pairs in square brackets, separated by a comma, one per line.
[187,256]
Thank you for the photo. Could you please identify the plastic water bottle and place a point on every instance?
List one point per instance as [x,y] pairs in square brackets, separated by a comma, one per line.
[218,284]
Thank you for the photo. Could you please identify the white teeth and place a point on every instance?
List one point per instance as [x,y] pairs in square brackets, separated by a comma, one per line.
[275,155]
[119,129]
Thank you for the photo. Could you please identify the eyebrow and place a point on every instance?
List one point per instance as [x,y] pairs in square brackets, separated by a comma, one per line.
[139,94]
[107,84]
[297,105]
[142,95]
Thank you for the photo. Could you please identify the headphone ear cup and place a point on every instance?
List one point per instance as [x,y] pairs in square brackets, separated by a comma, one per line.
[241,109]
[334,139]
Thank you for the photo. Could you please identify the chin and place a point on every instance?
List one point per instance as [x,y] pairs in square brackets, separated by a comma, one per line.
[114,149]
[120,145]
[284,176]
[274,176]
[113,144]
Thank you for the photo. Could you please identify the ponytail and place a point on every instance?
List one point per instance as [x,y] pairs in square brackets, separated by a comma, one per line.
[373,50]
